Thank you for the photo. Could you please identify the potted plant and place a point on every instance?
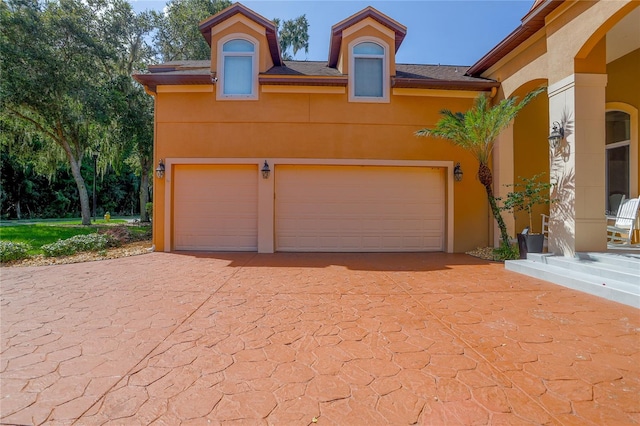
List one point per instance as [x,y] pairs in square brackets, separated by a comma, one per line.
[527,194]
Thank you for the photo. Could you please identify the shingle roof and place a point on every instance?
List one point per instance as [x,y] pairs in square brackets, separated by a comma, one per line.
[319,73]
[438,72]
[307,68]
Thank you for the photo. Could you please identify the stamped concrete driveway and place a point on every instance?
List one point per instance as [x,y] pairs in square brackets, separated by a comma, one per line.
[310,338]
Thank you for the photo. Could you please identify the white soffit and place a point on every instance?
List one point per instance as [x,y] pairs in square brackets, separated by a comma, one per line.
[624,37]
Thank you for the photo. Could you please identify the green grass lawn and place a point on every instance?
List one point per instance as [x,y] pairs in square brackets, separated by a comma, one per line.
[40,234]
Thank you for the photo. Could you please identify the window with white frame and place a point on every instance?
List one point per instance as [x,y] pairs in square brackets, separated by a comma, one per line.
[369,72]
[238,76]
[618,159]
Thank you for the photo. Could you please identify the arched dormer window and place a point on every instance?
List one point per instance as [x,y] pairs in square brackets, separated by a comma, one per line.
[237,69]
[369,80]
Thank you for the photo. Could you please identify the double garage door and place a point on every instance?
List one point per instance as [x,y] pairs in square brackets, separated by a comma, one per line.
[316,208]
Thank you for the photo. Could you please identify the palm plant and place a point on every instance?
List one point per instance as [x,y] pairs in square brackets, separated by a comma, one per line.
[476,131]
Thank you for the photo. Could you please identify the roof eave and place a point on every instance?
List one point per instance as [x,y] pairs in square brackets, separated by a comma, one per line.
[302,81]
[152,81]
[270,28]
[419,83]
[336,31]
[532,22]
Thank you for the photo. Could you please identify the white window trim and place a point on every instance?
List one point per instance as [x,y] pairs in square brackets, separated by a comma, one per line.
[634,148]
[220,95]
[385,72]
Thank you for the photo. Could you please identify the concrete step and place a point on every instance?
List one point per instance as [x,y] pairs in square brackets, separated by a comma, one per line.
[625,260]
[605,268]
[618,291]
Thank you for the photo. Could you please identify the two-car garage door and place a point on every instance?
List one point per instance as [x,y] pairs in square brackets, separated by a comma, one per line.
[359,208]
[317,208]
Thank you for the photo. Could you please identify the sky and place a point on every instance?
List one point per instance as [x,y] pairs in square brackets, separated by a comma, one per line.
[447,32]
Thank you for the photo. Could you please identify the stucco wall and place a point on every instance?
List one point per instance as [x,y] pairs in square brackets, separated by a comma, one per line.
[531,152]
[318,126]
[623,84]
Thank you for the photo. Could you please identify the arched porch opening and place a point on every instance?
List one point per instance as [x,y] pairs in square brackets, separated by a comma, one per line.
[531,147]
[602,74]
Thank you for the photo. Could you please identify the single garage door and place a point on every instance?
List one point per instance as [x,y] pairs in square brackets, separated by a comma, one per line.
[359,208]
[215,207]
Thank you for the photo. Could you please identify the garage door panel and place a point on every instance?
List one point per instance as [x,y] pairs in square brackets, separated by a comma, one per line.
[353,208]
[215,207]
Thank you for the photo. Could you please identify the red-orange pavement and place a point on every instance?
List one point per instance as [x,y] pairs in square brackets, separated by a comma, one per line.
[181,339]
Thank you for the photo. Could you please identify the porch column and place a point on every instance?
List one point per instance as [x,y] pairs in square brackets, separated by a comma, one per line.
[577,165]
[502,175]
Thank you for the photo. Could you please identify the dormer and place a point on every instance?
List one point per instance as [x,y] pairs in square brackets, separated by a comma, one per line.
[363,47]
[243,45]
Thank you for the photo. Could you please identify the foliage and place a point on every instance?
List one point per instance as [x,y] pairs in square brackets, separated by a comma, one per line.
[293,34]
[476,131]
[75,244]
[39,234]
[506,252]
[67,92]
[10,251]
[131,142]
[67,96]
[119,235]
[178,36]
[57,57]
[149,208]
[26,194]
[527,194]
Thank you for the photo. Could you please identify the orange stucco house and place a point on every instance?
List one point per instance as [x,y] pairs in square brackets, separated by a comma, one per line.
[265,155]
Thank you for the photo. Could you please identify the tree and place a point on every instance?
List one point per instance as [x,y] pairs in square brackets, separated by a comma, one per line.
[67,90]
[476,131]
[54,55]
[177,36]
[130,110]
[132,136]
[294,35]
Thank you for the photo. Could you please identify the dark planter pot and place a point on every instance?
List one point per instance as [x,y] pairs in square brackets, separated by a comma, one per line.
[530,243]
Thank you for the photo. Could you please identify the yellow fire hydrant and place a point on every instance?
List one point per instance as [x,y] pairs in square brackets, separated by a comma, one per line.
[107,216]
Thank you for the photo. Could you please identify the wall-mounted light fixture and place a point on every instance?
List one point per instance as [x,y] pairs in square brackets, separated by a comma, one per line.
[160,169]
[265,170]
[557,134]
[457,172]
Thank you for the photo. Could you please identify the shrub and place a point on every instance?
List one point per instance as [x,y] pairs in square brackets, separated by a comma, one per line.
[10,251]
[149,209]
[505,252]
[75,244]
[116,235]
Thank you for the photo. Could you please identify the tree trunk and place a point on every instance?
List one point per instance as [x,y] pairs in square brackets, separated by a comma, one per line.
[486,178]
[144,194]
[85,207]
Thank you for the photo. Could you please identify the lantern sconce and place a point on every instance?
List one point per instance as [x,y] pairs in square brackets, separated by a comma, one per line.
[265,170]
[160,169]
[457,172]
[557,134]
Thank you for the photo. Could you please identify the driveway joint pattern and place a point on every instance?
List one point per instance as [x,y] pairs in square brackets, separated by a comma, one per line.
[191,338]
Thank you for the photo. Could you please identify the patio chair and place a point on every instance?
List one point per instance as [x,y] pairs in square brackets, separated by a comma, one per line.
[615,201]
[626,222]
[545,230]
[545,225]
